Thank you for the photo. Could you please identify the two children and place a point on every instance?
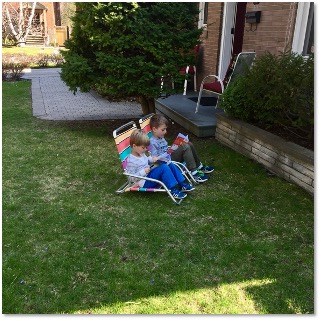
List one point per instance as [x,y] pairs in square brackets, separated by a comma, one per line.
[139,164]
[185,153]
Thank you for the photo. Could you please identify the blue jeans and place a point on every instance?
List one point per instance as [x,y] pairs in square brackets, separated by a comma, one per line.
[169,174]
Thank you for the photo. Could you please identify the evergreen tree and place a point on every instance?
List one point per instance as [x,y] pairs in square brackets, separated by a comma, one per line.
[127,47]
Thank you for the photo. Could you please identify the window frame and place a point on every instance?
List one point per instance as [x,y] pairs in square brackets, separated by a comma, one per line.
[303,26]
[203,15]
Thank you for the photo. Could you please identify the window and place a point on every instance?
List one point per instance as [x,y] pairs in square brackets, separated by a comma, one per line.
[202,21]
[308,46]
[303,37]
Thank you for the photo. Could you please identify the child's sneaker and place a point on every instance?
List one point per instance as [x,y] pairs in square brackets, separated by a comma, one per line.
[178,194]
[200,177]
[206,169]
[187,188]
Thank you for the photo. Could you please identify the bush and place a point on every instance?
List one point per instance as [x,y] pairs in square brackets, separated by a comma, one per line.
[57,59]
[277,91]
[124,48]
[43,60]
[13,65]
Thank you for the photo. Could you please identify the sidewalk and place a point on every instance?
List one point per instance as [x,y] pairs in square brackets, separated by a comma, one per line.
[52,100]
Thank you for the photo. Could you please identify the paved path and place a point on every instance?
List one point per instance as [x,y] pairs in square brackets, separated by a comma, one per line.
[52,100]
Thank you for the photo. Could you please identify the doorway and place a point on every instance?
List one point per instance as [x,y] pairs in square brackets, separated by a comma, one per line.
[232,34]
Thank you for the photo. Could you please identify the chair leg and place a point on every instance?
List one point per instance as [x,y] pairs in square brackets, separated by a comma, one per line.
[185,87]
[185,82]
[187,174]
[195,85]
[199,99]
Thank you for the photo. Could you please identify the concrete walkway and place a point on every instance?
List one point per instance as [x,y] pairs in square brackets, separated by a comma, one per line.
[52,100]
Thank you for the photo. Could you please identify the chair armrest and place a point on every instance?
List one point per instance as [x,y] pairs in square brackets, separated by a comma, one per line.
[129,125]
[215,76]
[146,178]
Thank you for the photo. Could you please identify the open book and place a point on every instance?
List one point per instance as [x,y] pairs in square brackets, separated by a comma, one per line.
[179,140]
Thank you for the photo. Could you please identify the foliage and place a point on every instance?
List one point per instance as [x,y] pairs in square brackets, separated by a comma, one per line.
[67,11]
[13,64]
[278,90]
[125,48]
[242,243]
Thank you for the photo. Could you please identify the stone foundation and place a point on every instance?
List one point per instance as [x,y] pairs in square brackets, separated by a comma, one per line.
[287,160]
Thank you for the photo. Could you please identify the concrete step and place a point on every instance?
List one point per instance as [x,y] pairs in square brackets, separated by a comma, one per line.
[34,40]
[182,110]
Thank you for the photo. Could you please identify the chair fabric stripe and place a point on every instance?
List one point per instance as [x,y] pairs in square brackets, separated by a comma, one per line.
[123,145]
[124,154]
[142,189]
[145,126]
[123,136]
[124,164]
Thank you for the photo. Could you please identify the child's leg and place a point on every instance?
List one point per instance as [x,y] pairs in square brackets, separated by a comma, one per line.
[162,173]
[185,153]
[177,173]
[196,158]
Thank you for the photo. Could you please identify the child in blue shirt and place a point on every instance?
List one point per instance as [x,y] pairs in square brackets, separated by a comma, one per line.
[185,153]
[139,164]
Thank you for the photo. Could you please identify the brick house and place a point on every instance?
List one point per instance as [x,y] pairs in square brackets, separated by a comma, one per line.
[228,31]
[51,23]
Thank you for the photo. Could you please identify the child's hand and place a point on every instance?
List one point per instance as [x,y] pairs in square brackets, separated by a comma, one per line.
[155,159]
[147,170]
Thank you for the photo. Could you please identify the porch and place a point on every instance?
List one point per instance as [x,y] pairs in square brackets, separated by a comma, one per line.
[181,109]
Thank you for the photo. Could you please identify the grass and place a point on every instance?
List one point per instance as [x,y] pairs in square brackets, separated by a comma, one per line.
[242,243]
[31,51]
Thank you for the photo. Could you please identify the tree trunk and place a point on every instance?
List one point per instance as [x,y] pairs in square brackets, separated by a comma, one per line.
[148,105]
[22,28]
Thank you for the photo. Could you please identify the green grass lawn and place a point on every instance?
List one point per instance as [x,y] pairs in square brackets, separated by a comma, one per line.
[31,51]
[242,243]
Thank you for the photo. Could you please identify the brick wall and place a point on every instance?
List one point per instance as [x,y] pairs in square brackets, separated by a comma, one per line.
[50,21]
[211,37]
[287,160]
[274,32]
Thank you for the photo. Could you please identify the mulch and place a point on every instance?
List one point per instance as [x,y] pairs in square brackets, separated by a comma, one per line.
[297,138]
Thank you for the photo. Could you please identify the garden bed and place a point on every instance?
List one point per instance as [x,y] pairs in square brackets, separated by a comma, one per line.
[283,158]
[287,135]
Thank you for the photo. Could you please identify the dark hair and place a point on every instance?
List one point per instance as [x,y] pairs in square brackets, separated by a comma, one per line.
[158,120]
[139,138]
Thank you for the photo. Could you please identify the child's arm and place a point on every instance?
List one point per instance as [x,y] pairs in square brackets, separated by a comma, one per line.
[160,152]
[152,159]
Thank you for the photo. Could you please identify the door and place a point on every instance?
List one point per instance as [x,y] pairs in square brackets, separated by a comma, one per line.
[232,34]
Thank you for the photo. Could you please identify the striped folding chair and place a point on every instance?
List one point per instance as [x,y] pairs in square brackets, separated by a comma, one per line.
[122,136]
[144,124]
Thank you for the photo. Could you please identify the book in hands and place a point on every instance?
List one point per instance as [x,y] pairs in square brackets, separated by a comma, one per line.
[179,140]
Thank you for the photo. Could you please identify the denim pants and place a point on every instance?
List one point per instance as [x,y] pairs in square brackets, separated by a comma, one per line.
[187,153]
[169,174]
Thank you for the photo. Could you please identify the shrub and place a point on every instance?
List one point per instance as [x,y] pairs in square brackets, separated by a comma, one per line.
[57,59]
[278,90]
[124,48]
[43,60]
[13,65]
